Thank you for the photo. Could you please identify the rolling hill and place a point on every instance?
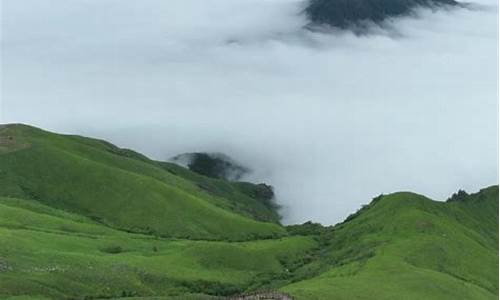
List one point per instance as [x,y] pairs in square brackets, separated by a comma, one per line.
[83,219]
[406,246]
[125,190]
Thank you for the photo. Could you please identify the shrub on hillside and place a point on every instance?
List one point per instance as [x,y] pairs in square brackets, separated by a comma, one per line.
[308,228]
[461,195]
[114,249]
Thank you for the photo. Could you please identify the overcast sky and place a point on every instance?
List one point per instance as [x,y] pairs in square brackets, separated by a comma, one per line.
[330,119]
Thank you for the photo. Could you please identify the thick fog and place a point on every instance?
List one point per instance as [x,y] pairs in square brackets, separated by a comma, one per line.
[329,118]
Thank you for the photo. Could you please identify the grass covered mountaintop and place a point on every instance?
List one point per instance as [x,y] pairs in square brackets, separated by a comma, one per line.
[125,190]
[406,246]
[83,219]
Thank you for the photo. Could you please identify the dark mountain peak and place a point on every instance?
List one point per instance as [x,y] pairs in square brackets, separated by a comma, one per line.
[357,14]
[215,165]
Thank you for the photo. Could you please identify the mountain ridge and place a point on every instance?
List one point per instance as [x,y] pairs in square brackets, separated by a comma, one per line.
[63,235]
[73,159]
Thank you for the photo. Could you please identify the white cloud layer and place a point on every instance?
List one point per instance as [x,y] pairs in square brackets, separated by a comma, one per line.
[330,119]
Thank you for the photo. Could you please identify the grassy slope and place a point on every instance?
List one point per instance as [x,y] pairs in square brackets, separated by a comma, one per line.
[240,196]
[47,252]
[406,246]
[117,187]
[71,243]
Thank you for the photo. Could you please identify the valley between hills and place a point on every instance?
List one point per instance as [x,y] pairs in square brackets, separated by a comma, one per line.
[81,218]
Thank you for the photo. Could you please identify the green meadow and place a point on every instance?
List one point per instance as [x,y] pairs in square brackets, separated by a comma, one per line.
[83,219]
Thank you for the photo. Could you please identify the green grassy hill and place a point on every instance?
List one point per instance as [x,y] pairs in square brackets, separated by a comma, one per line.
[126,190]
[59,255]
[406,246]
[83,219]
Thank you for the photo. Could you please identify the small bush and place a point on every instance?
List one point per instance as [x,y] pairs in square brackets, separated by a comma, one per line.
[461,195]
[308,228]
[112,249]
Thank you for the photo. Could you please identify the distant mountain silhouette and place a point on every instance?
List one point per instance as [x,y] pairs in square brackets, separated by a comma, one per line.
[358,13]
[215,165]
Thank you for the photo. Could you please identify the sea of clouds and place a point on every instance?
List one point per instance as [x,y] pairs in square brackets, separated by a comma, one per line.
[330,118]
